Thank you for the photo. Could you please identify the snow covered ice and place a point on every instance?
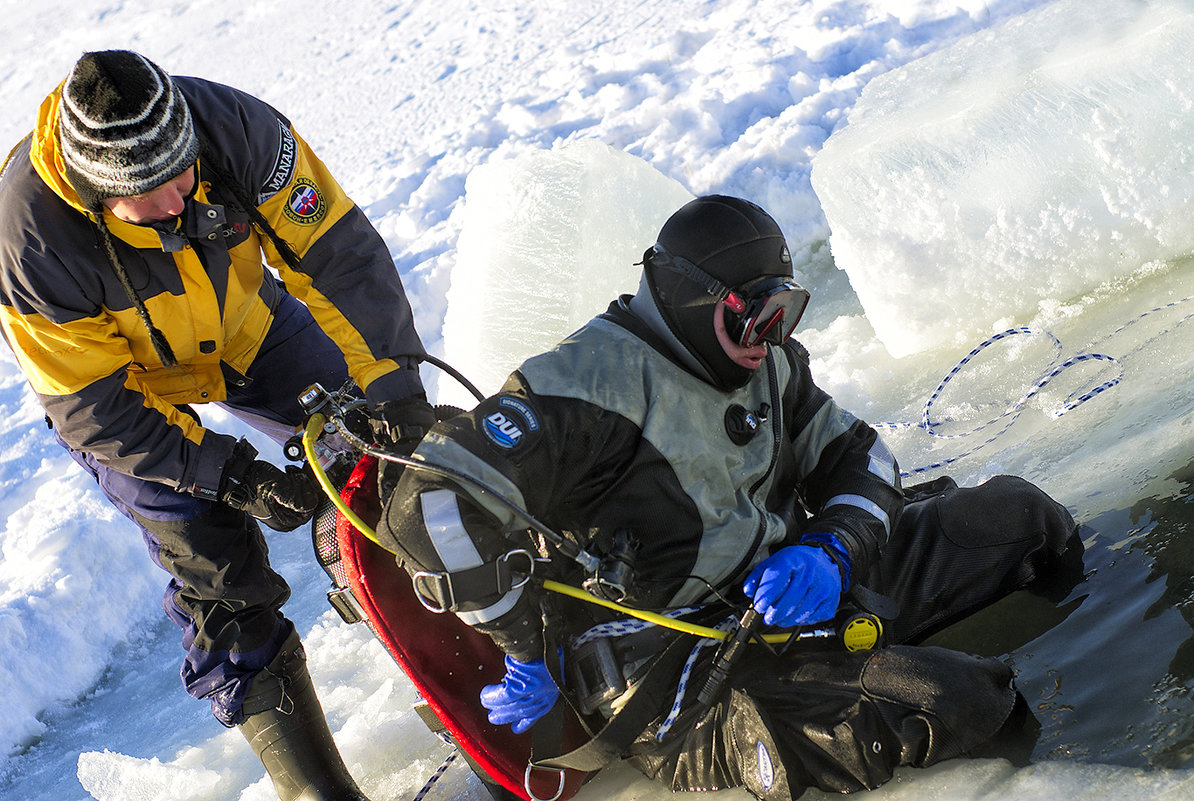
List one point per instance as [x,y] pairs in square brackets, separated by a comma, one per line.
[518,160]
[1028,163]
[535,265]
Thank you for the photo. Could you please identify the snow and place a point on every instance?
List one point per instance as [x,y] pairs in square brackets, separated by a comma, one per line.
[1031,163]
[517,159]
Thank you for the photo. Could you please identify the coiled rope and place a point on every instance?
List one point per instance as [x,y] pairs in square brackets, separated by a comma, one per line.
[1013,411]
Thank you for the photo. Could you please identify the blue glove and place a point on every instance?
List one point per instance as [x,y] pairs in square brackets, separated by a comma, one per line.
[526,694]
[795,586]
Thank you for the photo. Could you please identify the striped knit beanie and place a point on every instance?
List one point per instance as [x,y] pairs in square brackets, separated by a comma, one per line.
[125,127]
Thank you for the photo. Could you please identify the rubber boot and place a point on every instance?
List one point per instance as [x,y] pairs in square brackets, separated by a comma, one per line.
[286,728]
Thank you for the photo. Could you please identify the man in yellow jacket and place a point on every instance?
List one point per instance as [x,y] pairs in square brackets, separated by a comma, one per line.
[134,221]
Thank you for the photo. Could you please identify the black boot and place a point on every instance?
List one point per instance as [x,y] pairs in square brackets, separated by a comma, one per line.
[286,728]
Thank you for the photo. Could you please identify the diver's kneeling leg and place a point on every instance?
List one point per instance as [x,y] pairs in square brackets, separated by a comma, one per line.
[958,549]
[726,746]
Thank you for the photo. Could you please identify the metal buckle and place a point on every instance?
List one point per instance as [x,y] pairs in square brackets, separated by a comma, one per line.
[444,581]
[505,559]
[425,600]
[526,783]
[596,674]
[237,495]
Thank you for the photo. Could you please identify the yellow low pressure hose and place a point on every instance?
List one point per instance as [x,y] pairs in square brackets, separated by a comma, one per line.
[650,617]
[314,426]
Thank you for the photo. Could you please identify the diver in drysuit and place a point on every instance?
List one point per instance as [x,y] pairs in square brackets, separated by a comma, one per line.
[680,434]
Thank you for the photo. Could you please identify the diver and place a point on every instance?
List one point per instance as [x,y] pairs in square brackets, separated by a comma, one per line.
[680,437]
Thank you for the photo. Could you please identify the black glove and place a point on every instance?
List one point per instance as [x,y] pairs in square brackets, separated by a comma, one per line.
[399,426]
[283,500]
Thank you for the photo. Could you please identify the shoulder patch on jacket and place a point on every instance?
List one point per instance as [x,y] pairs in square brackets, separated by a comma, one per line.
[283,169]
[512,425]
[305,205]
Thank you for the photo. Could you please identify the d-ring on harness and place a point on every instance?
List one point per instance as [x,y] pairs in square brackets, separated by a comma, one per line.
[444,591]
[526,781]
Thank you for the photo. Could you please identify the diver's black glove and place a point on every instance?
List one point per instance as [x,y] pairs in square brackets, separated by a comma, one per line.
[283,500]
[399,426]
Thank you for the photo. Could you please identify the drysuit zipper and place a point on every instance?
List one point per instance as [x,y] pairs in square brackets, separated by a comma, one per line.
[776,435]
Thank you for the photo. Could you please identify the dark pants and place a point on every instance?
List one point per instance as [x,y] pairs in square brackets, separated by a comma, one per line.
[223,593]
[843,722]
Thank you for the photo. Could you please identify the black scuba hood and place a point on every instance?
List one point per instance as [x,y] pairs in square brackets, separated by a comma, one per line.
[732,240]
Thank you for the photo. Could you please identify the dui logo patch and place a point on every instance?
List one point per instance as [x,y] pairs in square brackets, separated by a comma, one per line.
[305,205]
[511,424]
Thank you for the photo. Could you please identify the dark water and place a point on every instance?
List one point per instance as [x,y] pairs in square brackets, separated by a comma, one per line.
[1108,671]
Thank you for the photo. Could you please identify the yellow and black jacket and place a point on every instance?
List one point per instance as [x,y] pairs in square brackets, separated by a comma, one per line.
[87,354]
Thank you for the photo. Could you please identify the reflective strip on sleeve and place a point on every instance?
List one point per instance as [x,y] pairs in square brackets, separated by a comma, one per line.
[882,462]
[456,551]
[865,504]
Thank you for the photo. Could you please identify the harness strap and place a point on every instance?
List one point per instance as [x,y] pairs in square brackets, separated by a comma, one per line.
[446,591]
[621,730]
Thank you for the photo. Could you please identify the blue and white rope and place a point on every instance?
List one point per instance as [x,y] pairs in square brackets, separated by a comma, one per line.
[624,626]
[1171,305]
[440,771]
[1013,411]
[686,674]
